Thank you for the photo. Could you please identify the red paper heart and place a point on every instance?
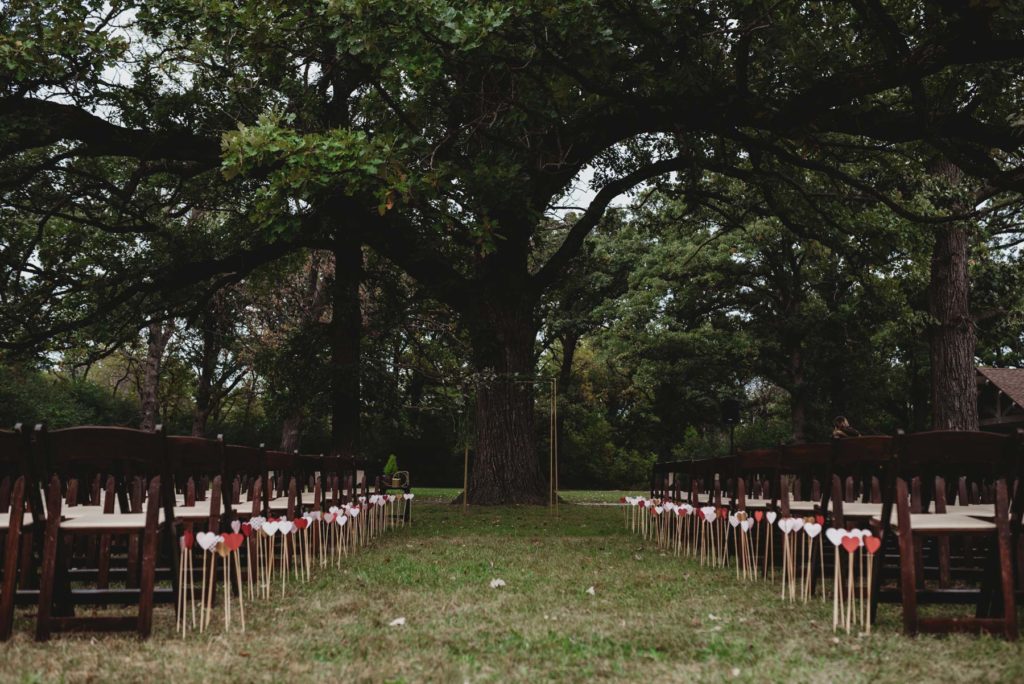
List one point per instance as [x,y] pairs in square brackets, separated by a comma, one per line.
[820,519]
[758,515]
[851,544]
[246,529]
[723,513]
[872,544]
[641,504]
[301,523]
[190,539]
[622,499]
[233,541]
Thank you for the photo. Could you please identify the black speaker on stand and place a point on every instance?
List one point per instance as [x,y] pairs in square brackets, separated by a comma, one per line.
[731,416]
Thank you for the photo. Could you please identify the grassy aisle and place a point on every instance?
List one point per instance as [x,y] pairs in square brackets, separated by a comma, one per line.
[653,618]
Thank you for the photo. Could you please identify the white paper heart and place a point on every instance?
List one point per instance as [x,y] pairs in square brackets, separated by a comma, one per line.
[270,528]
[341,520]
[354,512]
[796,524]
[208,540]
[333,509]
[235,526]
[771,515]
[812,529]
[658,510]
[733,520]
[784,525]
[745,525]
[408,497]
[835,535]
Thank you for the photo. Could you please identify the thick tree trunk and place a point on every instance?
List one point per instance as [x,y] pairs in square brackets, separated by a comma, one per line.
[345,335]
[207,369]
[569,344]
[290,433]
[159,335]
[797,397]
[506,468]
[952,336]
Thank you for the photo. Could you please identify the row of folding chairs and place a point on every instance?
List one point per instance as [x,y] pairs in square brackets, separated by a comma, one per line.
[947,506]
[106,507]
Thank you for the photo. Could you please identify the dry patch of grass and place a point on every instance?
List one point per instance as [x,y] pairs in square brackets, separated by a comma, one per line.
[652,617]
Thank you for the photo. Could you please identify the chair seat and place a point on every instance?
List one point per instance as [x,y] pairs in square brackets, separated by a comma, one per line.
[938,523]
[279,504]
[200,511]
[111,522]
[861,510]
[5,520]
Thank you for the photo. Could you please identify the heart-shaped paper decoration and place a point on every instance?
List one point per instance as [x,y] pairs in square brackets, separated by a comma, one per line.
[408,496]
[796,524]
[246,530]
[835,535]
[300,523]
[820,519]
[354,511]
[758,515]
[233,541]
[329,518]
[745,525]
[207,540]
[771,515]
[188,539]
[235,526]
[785,525]
[270,528]
[812,529]
[851,543]
[341,520]
[872,544]
[734,521]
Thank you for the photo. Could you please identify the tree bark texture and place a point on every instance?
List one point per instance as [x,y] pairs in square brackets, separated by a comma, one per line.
[506,468]
[952,337]
[159,335]
[346,334]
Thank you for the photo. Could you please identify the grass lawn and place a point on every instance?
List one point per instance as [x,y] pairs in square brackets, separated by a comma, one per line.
[653,618]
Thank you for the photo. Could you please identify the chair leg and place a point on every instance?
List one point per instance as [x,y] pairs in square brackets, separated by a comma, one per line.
[908,581]
[1005,562]
[10,583]
[47,578]
[26,575]
[149,553]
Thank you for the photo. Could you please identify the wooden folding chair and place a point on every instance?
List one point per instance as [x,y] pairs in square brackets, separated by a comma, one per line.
[20,491]
[284,467]
[192,459]
[802,469]
[926,465]
[754,473]
[122,457]
[248,466]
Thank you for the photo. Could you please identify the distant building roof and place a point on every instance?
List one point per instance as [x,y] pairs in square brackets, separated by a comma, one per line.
[1010,381]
